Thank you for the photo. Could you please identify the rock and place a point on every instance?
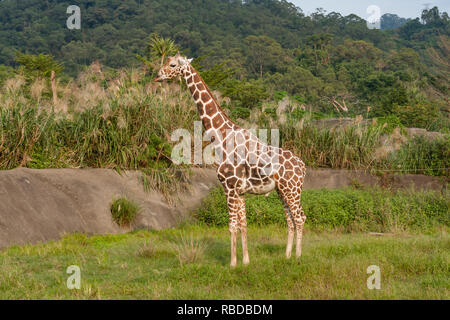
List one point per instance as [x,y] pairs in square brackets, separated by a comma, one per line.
[42,205]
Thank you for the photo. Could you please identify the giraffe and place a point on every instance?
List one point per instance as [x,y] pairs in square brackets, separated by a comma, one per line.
[246,164]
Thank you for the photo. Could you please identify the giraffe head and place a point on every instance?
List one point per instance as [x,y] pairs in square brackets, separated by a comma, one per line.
[173,68]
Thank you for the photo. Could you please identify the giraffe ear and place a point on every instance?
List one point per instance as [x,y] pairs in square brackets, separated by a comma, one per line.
[190,60]
[184,61]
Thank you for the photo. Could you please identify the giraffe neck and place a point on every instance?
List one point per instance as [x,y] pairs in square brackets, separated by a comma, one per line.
[211,114]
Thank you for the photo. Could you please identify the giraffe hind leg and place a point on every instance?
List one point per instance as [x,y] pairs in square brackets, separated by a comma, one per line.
[299,220]
[291,226]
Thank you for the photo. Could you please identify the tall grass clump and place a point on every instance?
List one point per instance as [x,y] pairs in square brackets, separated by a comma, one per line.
[122,122]
[371,209]
[124,211]
[350,147]
[23,130]
[423,155]
[168,181]
[189,249]
[148,250]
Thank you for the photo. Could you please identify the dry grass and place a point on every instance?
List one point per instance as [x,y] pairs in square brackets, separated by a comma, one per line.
[189,249]
[147,250]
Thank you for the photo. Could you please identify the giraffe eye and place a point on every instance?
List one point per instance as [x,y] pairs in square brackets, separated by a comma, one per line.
[173,65]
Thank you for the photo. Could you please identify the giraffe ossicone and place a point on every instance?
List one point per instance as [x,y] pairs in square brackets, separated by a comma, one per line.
[247,165]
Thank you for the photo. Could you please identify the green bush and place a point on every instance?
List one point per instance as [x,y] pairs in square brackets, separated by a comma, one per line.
[124,211]
[371,209]
[389,123]
[418,115]
[246,94]
[280,95]
[240,113]
[271,112]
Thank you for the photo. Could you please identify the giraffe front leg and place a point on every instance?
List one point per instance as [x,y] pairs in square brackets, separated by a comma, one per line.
[290,242]
[233,248]
[243,227]
[291,230]
[233,211]
[246,259]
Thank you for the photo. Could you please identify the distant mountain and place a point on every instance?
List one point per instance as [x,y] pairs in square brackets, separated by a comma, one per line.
[270,46]
[112,31]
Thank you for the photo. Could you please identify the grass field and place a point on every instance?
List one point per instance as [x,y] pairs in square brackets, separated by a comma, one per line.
[192,262]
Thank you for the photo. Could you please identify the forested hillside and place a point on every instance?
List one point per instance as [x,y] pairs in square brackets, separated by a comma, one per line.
[256,49]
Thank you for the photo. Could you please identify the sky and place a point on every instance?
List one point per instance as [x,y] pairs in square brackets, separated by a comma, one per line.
[403,8]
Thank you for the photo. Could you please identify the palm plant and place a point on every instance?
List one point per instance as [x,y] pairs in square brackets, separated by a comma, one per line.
[162,47]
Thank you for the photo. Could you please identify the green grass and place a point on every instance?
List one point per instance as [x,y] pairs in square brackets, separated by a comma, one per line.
[348,210]
[124,211]
[146,265]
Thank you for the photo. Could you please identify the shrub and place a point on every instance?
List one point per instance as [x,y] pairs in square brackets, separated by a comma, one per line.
[349,209]
[418,115]
[389,123]
[124,211]
[240,113]
[280,95]
[247,94]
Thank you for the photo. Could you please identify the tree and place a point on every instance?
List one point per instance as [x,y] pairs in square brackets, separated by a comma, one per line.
[41,66]
[38,66]
[431,16]
[263,53]
[162,47]
[391,21]
[320,44]
[5,73]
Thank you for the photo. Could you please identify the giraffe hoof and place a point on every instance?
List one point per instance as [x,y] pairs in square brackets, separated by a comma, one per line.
[233,264]
[246,262]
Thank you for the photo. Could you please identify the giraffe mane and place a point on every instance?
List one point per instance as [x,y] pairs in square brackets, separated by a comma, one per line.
[214,98]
